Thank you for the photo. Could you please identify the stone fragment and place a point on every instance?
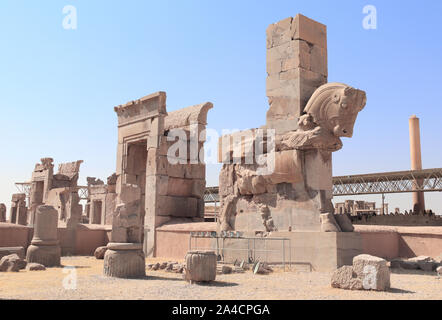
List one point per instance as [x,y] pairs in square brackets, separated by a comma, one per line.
[409,265]
[420,259]
[424,263]
[156,266]
[163,265]
[344,223]
[261,268]
[372,271]
[226,269]
[12,263]
[439,271]
[328,223]
[396,264]
[99,252]
[200,266]
[346,278]
[178,268]
[428,266]
[35,267]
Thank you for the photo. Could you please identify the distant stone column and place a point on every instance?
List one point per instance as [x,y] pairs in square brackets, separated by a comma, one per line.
[416,162]
[45,248]
[2,212]
[296,67]
[22,213]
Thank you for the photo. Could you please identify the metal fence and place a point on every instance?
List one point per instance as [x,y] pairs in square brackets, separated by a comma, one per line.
[230,246]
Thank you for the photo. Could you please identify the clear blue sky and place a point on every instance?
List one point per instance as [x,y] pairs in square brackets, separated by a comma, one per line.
[58,87]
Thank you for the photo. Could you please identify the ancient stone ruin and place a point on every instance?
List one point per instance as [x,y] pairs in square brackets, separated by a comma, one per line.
[366,273]
[45,248]
[288,186]
[19,210]
[101,200]
[155,185]
[58,190]
[200,266]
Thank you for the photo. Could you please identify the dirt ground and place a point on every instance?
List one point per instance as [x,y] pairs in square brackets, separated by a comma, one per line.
[59,283]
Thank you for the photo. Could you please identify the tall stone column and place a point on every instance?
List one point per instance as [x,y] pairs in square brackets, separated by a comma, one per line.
[296,67]
[416,162]
[45,248]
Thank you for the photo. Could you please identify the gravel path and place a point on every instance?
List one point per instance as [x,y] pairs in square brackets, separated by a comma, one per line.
[163,285]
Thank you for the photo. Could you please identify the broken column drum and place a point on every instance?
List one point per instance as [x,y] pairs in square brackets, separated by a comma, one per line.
[45,248]
[124,260]
[200,266]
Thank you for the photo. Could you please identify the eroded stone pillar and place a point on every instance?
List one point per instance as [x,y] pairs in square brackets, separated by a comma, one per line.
[45,248]
[296,67]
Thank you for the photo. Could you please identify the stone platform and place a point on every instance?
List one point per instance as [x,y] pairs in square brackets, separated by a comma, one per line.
[320,251]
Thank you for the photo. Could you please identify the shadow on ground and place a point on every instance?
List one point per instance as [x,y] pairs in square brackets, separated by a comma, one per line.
[416,272]
[396,290]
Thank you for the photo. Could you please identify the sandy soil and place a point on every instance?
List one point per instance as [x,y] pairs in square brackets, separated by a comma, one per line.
[91,284]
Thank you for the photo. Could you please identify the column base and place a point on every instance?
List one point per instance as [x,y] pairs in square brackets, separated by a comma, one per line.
[49,256]
[124,260]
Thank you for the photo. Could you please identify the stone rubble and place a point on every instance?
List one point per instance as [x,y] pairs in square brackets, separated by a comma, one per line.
[367,273]
[35,267]
[12,263]
[100,252]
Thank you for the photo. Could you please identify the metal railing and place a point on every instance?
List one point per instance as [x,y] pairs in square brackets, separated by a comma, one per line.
[257,249]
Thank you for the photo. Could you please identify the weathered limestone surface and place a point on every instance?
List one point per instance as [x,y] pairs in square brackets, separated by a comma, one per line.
[200,266]
[346,278]
[373,272]
[12,263]
[295,182]
[296,67]
[159,163]
[367,273]
[329,224]
[279,177]
[99,252]
[44,248]
[124,262]
[344,222]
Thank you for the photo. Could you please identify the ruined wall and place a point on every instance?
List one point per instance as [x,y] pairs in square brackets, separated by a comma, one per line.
[399,220]
[166,186]
[102,200]
[19,211]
